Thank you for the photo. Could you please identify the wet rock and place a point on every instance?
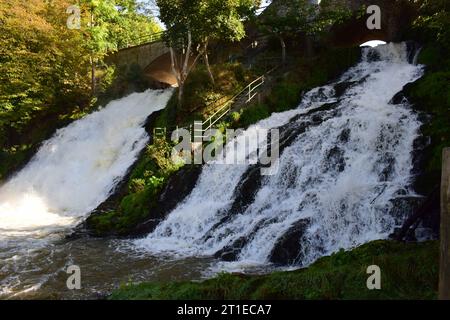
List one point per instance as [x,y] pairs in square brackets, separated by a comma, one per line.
[345,135]
[231,252]
[342,87]
[287,250]
[399,98]
[335,159]
[245,192]
[422,213]
[177,189]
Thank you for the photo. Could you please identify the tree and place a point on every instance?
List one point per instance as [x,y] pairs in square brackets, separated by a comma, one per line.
[193,24]
[434,21]
[220,20]
[286,18]
[40,60]
[112,24]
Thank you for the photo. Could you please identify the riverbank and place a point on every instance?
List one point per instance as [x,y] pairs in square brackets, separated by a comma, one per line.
[408,271]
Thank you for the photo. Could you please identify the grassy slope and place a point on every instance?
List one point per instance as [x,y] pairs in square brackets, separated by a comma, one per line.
[408,271]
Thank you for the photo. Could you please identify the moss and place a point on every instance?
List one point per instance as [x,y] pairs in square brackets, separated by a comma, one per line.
[431,95]
[408,271]
[285,95]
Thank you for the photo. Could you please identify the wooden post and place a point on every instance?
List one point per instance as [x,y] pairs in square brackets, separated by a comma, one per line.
[444,273]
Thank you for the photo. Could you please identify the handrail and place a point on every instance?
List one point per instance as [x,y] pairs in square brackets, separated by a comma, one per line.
[227,105]
[150,38]
[248,87]
[233,98]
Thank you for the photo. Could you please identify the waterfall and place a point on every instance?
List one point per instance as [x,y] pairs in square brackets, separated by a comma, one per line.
[345,164]
[76,170]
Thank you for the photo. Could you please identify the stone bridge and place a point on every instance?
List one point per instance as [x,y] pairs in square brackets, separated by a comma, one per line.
[153,58]
[396,17]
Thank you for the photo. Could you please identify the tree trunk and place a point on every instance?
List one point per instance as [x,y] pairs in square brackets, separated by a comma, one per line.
[180,94]
[444,272]
[91,59]
[208,67]
[182,69]
[176,72]
[283,50]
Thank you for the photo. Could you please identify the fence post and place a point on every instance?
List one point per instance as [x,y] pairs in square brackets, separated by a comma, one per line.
[444,273]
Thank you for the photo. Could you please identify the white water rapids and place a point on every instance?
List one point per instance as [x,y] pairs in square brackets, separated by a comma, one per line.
[339,175]
[76,170]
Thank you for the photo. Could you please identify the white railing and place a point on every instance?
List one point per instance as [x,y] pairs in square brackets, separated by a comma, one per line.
[150,38]
[249,92]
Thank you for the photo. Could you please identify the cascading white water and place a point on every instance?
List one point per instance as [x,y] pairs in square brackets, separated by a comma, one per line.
[339,175]
[76,170]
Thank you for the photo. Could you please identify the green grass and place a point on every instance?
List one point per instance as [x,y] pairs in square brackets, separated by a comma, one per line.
[408,271]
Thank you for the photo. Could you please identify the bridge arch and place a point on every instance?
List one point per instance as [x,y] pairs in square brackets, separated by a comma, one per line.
[396,17]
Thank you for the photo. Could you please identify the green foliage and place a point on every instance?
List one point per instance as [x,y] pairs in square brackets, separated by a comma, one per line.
[203,98]
[205,19]
[253,114]
[290,17]
[409,271]
[305,74]
[285,95]
[41,61]
[146,181]
[192,24]
[113,24]
[433,23]
[432,95]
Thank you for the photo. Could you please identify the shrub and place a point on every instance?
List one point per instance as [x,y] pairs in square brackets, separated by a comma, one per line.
[285,96]
[253,114]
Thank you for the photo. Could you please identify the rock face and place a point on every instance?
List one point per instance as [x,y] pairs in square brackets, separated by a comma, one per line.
[178,187]
[287,250]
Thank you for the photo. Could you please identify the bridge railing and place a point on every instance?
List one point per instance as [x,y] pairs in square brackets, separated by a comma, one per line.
[149,38]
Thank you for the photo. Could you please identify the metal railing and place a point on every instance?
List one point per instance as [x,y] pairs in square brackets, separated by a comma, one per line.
[249,92]
[150,38]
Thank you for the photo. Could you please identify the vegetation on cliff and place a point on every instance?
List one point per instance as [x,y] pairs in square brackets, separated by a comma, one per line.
[431,93]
